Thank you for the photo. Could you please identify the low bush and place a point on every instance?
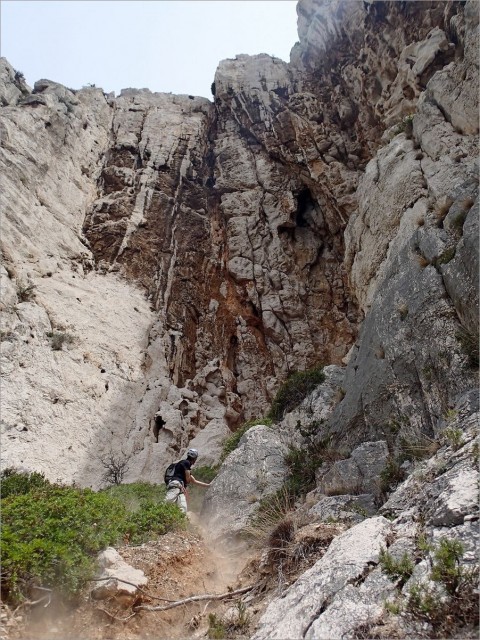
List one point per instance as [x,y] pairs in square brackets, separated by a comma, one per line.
[229,627]
[59,338]
[205,473]
[52,533]
[17,484]
[302,465]
[216,627]
[303,462]
[132,495]
[294,391]
[447,604]
[399,570]
[446,567]
[453,436]
[391,476]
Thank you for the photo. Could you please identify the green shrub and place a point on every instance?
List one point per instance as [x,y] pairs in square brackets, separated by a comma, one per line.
[446,610]
[17,484]
[152,520]
[294,391]
[446,567]
[131,495]
[238,623]
[59,338]
[454,437]
[205,473]
[216,627]
[231,443]
[302,465]
[52,533]
[405,125]
[446,615]
[391,476]
[304,461]
[397,569]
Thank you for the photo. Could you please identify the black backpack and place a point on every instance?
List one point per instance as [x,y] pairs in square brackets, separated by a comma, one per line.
[170,472]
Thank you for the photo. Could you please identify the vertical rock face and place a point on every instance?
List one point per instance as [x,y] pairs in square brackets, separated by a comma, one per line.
[405,247]
[215,212]
[198,252]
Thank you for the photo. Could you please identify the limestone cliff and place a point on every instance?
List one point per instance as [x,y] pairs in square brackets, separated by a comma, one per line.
[169,260]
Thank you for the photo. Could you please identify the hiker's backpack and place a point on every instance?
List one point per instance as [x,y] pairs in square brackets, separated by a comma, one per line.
[170,472]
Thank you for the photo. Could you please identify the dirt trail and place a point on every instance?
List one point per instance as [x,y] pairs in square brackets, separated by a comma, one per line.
[181,565]
[177,566]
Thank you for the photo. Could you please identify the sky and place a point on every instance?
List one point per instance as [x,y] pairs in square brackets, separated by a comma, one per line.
[163,45]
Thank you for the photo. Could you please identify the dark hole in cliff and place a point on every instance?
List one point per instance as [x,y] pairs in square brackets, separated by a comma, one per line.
[305,204]
[158,426]
[183,406]
[210,182]
[210,159]
[282,92]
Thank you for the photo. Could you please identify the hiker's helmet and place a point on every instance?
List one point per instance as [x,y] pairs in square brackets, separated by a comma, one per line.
[192,453]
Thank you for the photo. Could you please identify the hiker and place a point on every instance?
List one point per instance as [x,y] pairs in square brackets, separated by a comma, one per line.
[181,478]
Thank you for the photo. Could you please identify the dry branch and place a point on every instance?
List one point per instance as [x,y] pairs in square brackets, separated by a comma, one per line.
[149,595]
[208,596]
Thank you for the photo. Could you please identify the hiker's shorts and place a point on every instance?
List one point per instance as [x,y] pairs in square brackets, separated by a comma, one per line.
[176,495]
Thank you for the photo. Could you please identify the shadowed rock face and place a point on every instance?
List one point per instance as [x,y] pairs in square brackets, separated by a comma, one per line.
[236,241]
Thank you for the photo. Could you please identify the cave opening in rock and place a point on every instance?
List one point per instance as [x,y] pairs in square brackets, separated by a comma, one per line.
[305,205]
[158,426]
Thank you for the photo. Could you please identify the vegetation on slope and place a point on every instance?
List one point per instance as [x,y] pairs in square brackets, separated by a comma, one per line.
[294,390]
[51,533]
[231,443]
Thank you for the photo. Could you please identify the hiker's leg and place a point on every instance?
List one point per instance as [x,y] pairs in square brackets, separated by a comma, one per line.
[182,502]
[172,494]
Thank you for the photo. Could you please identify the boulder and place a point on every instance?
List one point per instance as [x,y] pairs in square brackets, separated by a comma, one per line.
[309,603]
[345,507]
[359,473]
[255,470]
[117,579]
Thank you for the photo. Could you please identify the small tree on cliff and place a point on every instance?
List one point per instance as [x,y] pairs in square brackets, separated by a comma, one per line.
[115,465]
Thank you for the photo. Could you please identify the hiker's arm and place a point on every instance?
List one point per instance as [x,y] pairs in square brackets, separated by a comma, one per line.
[197,482]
